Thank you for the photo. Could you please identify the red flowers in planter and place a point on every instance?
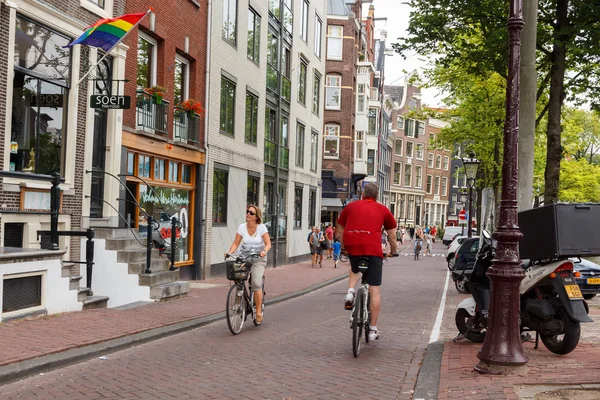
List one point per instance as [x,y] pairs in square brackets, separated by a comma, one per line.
[192,107]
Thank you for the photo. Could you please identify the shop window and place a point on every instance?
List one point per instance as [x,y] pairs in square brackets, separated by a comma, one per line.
[251,118]
[227,115]
[253,35]
[300,130]
[332,142]
[252,190]
[298,207]
[167,203]
[186,174]
[220,183]
[38,128]
[130,164]
[143,166]
[159,169]
[230,21]
[173,171]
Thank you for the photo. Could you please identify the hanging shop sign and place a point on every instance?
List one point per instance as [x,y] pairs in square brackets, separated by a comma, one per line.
[110,101]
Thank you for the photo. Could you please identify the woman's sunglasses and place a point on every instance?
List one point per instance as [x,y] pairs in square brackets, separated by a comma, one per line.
[250,212]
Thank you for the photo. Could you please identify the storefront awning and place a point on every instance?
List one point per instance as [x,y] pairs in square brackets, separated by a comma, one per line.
[331,204]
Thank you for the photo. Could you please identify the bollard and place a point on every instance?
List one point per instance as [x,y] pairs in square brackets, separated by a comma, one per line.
[173,240]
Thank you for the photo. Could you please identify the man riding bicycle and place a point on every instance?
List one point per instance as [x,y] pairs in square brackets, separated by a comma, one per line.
[360,227]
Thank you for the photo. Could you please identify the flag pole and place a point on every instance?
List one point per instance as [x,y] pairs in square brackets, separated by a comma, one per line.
[107,53]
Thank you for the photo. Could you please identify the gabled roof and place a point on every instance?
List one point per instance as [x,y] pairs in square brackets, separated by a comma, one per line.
[337,7]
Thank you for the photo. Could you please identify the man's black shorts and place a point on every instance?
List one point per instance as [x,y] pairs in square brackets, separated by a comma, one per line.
[375,269]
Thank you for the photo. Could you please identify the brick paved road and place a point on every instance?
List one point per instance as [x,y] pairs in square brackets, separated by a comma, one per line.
[303,350]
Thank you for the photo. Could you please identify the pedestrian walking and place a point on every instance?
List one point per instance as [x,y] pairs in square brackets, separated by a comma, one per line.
[329,241]
[337,249]
[428,237]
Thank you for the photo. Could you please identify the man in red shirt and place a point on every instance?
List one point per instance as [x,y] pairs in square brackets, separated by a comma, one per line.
[360,227]
[329,240]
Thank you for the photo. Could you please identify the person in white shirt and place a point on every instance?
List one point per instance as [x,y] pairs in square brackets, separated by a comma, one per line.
[254,237]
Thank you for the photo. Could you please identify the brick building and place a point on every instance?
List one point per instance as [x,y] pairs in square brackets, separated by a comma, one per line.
[348,82]
[265,123]
[162,143]
[438,179]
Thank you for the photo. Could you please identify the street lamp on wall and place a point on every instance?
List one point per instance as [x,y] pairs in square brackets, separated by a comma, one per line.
[471,165]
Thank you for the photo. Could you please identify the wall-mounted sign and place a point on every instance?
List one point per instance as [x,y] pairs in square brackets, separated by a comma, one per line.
[110,102]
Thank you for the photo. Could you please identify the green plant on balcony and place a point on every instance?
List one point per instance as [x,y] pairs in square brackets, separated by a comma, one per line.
[192,107]
[157,92]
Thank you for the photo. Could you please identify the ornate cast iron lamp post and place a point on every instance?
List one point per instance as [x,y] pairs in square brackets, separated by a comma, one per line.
[471,165]
[502,345]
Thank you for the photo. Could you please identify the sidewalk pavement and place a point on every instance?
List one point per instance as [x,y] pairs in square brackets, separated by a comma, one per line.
[36,344]
[448,373]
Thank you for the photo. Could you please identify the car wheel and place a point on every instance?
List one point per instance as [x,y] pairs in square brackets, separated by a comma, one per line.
[589,296]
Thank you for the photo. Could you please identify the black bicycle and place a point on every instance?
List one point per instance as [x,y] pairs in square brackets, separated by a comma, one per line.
[240,299]
[361,312]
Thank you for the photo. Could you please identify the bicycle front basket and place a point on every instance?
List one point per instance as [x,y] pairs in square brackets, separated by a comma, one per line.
[237,271]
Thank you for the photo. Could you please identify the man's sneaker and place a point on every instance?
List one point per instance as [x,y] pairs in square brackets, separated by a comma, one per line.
[349,301]
[373,335]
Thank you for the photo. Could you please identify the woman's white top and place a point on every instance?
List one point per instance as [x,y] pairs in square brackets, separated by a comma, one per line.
[255,242]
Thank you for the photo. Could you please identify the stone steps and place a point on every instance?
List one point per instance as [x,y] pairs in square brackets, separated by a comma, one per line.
[159,278]
[169,291]
[91,302]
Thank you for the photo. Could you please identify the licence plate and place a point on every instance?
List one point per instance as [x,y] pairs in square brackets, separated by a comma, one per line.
[573,291]
[593,281]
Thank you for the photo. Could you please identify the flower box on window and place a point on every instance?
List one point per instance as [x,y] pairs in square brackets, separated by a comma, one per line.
[157,92]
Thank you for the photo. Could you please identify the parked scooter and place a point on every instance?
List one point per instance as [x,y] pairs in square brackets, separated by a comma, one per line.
[552,305]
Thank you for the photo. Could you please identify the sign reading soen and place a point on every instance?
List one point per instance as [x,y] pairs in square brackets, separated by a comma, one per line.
[111,102]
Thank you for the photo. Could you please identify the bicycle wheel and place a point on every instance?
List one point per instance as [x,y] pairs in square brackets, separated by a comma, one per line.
[367,322]
[236,309]
[263,301]
[357,322]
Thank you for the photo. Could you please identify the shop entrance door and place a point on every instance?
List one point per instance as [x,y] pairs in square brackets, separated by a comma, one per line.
[102,85]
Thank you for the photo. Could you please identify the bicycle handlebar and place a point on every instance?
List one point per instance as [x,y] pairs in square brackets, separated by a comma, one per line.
[238,258]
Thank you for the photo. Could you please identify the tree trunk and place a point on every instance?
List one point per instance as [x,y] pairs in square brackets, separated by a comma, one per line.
[527,110]
[557,79]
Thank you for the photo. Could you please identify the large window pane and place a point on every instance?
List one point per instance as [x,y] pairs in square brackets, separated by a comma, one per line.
[302,82]
[252,190]
[334,42]
[253,35]
[251,118]
[284,151]
[300,145]
[145,57]
[318,30]
[316,93]
[180,90]
[314,150]
[333,92]
[298,207]
[332,141]
[220,196]
[304,30]
[227,106]
[229,20]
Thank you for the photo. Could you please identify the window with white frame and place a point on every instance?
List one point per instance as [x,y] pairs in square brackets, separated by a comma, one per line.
[397,173]
[432,138]
[421,128]
[409,128]
[361,99]
[436,185]
[304,29]
[400,122]
[253,35]
[359,143]
[332,141]
[398,147]
[302,73]
[429,183]
[146,62]
[444,186]
[318,29]
[401,206]
[407,175]
[370,162]
[333,92]
[103,8]
[411,207]
[418,176]
[335,42]
[314,150]
[438,161]
[180,89]
[446,162]
[409,149]
[430,160]
[300,129]
[420,151]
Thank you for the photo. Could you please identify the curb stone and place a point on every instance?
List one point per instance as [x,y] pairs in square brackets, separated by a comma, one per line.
[22,369]
[428,381]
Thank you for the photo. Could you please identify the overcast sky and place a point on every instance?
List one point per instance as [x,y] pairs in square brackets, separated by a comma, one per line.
[397,14]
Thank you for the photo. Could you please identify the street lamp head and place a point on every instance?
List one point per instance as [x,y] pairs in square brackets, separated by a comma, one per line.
[464,198]
[471,165]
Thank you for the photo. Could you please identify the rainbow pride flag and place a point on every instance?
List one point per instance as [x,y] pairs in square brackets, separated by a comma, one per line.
[107,32]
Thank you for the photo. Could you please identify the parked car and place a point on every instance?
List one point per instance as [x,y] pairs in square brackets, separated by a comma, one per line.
[464,260]
[452,231]
[589,281]
[458,240]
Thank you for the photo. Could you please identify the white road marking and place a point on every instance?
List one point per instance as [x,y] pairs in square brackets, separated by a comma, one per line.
[435,333]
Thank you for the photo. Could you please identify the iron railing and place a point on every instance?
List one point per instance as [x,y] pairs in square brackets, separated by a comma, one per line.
[186,127]
[150,116]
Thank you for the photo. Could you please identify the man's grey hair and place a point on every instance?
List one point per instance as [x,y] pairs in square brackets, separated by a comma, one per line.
[371,190]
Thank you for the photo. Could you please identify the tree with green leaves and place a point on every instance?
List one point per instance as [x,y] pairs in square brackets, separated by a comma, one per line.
[474,34]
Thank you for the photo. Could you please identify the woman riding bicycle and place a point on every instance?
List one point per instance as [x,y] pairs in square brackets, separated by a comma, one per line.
[418,239]
[255,238]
